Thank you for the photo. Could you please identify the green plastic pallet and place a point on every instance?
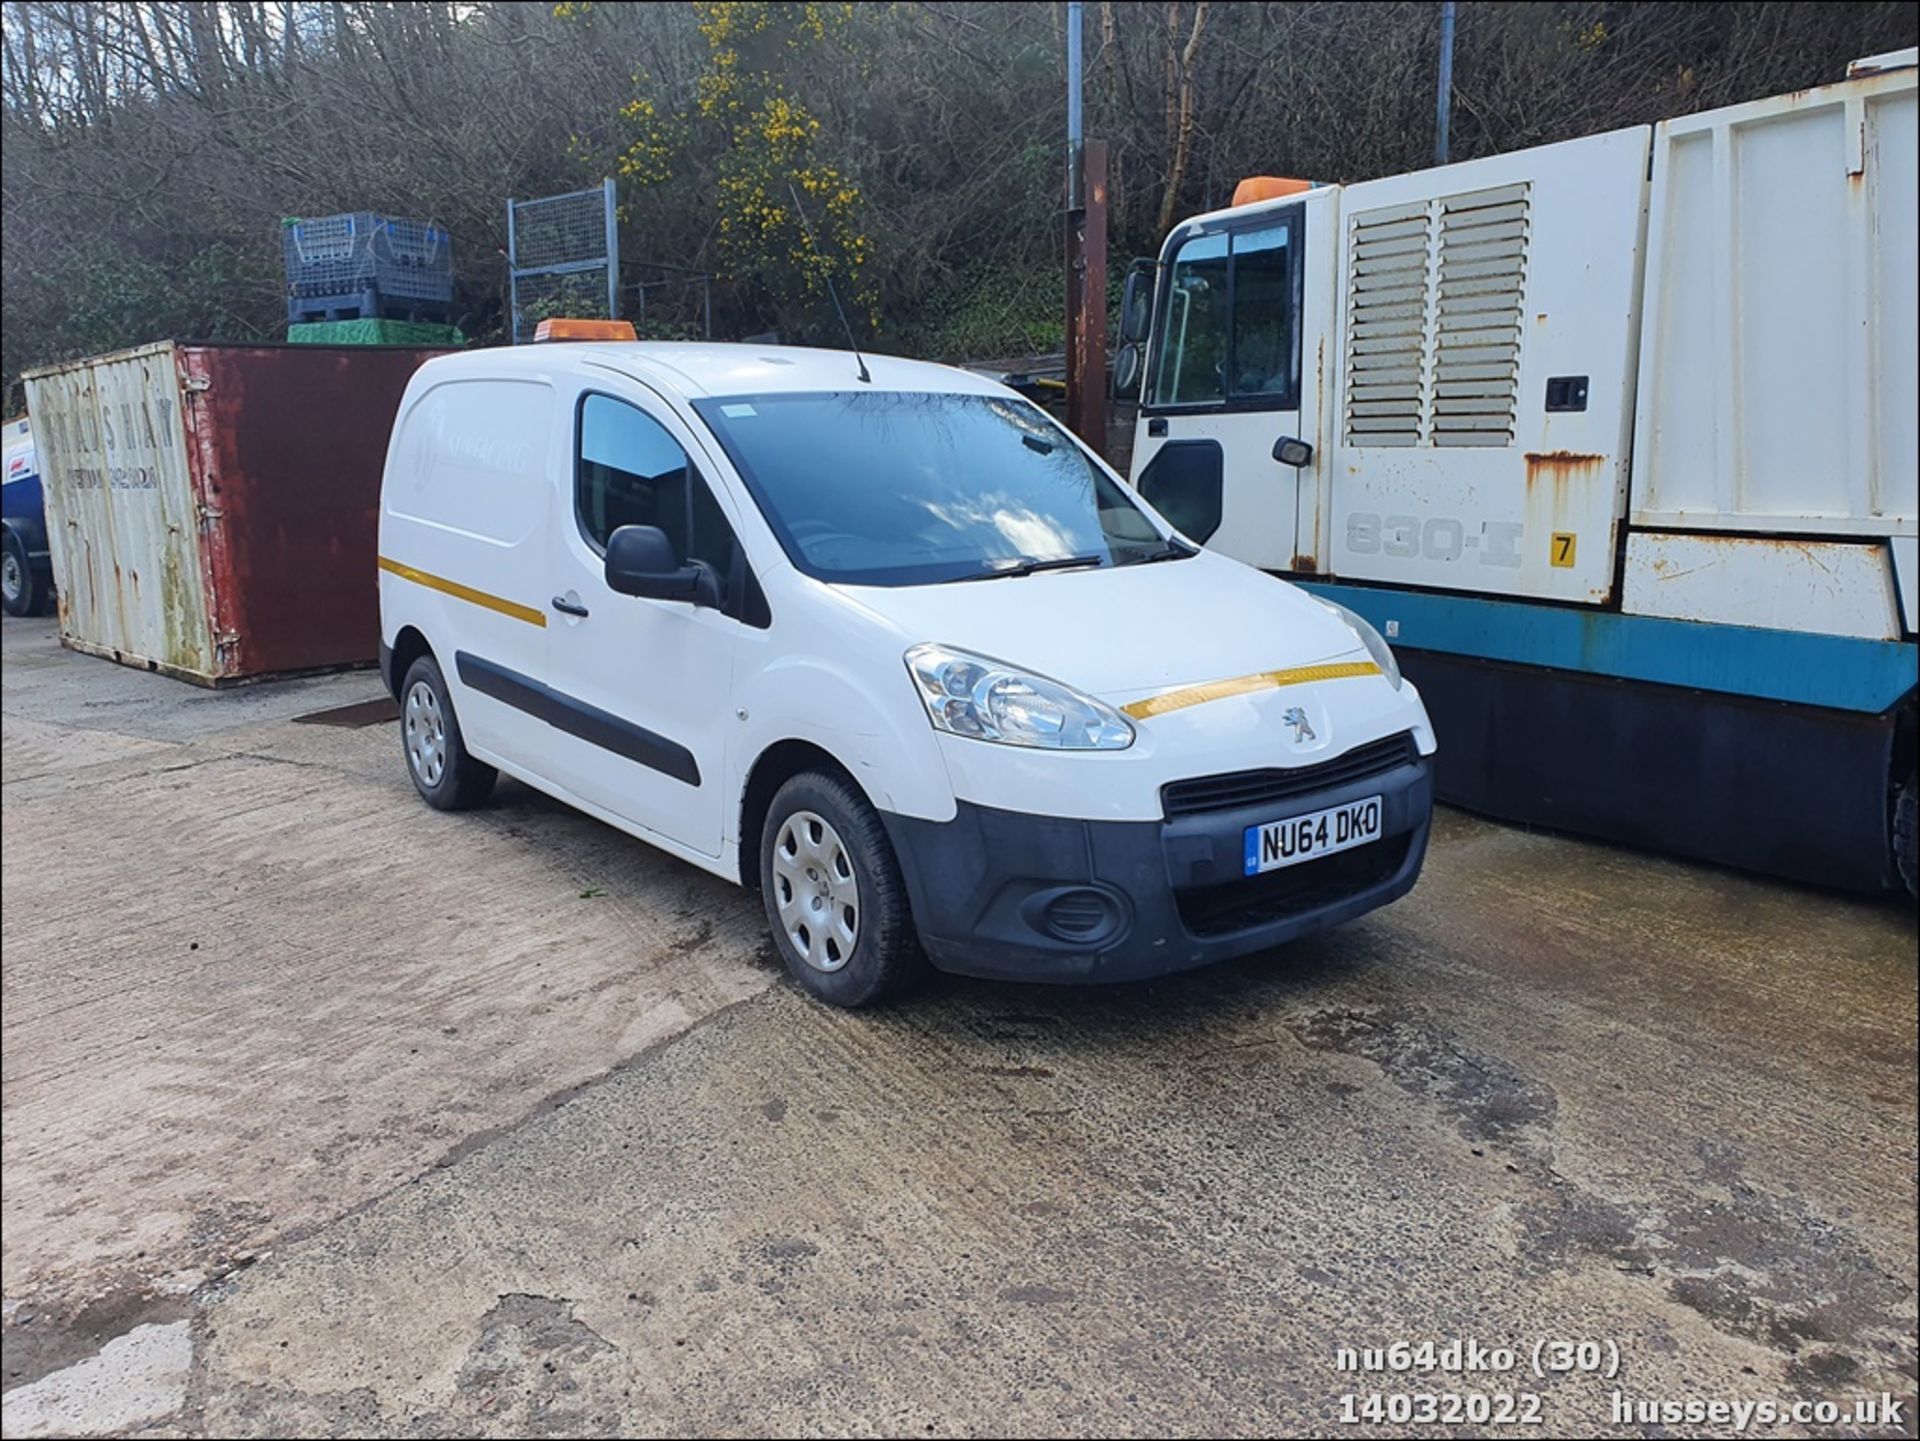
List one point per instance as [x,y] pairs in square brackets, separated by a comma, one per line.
[374,332]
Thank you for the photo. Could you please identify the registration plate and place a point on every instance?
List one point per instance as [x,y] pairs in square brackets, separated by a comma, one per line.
[1306,838]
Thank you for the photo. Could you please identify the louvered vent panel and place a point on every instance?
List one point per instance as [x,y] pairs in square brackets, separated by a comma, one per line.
[1479,293]
[1435,297]
[1386,340]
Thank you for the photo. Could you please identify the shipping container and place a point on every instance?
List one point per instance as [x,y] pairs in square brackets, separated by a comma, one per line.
[212,508]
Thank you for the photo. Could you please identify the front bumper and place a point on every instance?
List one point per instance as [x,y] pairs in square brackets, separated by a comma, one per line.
[1014,896]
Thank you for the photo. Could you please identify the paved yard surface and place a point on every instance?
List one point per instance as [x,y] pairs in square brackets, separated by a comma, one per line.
[329,1114]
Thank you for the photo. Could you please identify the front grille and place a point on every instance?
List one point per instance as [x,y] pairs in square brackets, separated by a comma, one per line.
[1236,789]
[1293,890]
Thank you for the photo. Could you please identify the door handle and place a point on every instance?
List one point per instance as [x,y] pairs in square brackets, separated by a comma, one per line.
[567,607]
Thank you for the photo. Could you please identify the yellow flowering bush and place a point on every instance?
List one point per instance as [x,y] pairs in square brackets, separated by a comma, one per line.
[768,148]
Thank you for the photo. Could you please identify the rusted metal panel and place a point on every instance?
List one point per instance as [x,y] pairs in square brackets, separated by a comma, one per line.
[120,510]
[215,506]
[292,441]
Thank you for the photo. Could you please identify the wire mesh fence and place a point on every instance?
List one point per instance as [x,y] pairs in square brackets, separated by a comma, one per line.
[563,257]
[667,302]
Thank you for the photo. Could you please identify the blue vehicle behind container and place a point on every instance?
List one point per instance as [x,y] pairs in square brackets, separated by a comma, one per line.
[26,569]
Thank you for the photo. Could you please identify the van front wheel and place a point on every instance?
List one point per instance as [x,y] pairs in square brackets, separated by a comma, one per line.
[447,778]
[834,897]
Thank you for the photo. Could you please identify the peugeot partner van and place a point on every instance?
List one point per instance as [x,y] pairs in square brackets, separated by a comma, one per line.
[882,640]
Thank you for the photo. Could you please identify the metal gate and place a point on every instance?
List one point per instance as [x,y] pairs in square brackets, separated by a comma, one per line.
[563,257]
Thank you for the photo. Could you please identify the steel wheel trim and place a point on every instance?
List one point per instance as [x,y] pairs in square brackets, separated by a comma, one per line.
[816,891]
[425,730]
[12,580]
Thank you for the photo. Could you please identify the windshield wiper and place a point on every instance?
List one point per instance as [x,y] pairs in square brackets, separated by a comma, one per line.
[1028,567]
[1172,550]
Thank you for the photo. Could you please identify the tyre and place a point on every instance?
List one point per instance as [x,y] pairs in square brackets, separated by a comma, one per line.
[835,900]
[447,778]
[23,590]
[1906,830]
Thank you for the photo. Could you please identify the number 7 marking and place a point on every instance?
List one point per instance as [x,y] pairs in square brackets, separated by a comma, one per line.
[1563,548]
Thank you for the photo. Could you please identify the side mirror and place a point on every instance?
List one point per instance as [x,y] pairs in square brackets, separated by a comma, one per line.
[1289,451]
[1136,302]
[1126,371]
[641,561]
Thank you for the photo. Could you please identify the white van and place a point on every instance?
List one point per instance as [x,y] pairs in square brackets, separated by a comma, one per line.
[885,641]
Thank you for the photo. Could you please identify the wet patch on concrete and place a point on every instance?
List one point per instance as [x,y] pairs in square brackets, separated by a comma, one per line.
[1487,1099]
[1753,1265]
[523,1370]
[45,1333]
[1762,1267]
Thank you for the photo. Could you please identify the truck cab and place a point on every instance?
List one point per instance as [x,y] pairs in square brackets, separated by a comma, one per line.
[26,567]
[1614,439]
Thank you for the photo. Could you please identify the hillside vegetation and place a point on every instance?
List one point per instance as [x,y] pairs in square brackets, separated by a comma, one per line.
[151,151]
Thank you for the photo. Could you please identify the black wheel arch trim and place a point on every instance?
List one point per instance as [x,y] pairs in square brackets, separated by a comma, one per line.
[589,723]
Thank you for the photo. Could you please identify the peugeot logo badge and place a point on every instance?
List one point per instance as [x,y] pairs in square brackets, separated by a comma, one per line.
[1297,718]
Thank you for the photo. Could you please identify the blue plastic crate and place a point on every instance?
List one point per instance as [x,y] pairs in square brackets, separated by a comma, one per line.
[338,255]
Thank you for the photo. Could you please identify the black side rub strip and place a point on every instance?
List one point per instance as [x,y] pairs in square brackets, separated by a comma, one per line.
[577,718]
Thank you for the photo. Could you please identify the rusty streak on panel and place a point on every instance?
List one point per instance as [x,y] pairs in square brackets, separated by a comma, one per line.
[1560,462]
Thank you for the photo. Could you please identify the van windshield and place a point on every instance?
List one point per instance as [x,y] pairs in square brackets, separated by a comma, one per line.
[905,488]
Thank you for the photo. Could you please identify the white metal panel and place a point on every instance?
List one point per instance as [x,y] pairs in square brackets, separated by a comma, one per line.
[1778,360]
[1906,574]
[1448,469]
[471,474]
[1886,60]
[1829,587]
[121,513]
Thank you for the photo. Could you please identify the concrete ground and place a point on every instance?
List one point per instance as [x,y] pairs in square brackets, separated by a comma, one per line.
[326,1113]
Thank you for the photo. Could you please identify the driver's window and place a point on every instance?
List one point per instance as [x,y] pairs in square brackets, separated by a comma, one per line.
[1229,327]
[632,472]
[1191,366]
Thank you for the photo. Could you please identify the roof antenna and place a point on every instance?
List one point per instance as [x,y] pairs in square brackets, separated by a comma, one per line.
[814,246]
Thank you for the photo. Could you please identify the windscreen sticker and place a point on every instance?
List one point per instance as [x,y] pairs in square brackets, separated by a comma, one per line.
[737,412]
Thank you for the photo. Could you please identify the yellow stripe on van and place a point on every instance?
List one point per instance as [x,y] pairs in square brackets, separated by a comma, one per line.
[1243,685]
[464,592]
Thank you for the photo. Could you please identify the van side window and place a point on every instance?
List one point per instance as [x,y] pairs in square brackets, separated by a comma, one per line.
[632,472]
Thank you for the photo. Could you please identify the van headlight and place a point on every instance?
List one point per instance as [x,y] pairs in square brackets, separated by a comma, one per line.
[1381,652]
[971,695]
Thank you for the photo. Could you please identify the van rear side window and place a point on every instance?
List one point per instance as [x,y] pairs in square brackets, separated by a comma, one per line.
[473,458]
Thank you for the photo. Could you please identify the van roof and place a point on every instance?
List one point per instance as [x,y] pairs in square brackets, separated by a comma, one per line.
[698,369]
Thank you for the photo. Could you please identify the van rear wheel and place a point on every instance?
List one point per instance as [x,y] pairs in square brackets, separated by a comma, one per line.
[447,778]
[835,901]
